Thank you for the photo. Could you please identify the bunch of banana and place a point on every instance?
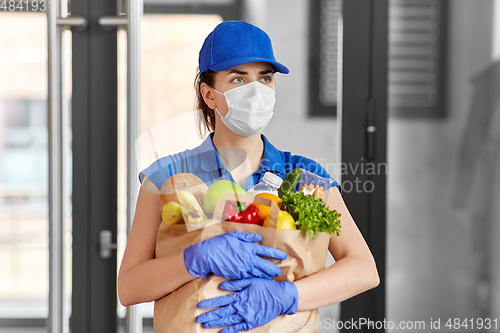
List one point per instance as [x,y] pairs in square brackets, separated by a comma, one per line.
[182,197]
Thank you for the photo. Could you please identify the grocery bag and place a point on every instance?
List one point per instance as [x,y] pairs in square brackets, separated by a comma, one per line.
[177,311]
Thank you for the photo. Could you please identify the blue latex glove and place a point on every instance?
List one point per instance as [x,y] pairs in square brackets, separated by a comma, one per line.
[256,303]
[232,256]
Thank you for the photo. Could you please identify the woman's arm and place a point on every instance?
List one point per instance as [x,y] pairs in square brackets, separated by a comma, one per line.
[232,255]
[142,278]
[353,272]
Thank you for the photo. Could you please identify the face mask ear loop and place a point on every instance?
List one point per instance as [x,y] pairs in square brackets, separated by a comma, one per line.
[216,108]
[218,113]
[218,91]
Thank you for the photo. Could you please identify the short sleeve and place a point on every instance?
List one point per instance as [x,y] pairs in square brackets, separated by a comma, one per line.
[317,169]
[159,171]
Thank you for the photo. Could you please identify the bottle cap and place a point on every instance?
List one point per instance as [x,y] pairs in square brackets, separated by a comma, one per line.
[272,179]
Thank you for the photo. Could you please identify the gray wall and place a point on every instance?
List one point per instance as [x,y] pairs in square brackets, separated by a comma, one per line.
[291,128]
[433,257]
[433,254]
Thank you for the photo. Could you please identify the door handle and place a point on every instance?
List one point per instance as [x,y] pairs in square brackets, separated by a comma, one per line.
[110,22]
[76,23]
[106,244]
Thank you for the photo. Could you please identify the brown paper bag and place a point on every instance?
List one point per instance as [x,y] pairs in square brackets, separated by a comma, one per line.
[176,312]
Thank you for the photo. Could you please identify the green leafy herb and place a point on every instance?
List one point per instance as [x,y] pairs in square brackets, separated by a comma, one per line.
[310,214]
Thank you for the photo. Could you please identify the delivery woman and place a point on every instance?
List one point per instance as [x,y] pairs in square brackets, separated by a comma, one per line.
[235,91]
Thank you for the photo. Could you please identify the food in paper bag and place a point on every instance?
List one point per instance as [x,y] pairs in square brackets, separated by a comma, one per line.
[182,181]
[311,183]
[191,209]
[172,211]
[307,206]
[285,221]
[218,189]
[315,190]
[176,312]
[311,214]
[264,211]
[241,212]
[306,249]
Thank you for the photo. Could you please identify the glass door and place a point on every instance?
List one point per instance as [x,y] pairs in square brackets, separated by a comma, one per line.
[27,168]
[84,86]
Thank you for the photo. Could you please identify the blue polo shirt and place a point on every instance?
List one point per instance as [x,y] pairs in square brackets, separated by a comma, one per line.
[203,161]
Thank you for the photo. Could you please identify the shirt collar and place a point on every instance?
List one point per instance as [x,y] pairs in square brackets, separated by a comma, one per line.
[208,155]
[271,161]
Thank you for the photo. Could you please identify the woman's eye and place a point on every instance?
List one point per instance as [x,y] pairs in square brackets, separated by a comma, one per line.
[237,79]
[267,79]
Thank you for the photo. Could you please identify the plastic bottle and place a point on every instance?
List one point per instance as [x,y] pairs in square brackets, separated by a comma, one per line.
[270,184]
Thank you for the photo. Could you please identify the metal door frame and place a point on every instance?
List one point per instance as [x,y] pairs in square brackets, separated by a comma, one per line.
[94,123]
[363,119]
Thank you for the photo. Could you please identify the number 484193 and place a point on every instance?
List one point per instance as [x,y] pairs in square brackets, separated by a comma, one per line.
[24,5]
[473,324]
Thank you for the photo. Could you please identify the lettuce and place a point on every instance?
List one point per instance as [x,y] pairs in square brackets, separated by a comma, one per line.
[311,215]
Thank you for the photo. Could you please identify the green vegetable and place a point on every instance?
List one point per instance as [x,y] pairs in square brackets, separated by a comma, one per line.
[310,214]
[290,182]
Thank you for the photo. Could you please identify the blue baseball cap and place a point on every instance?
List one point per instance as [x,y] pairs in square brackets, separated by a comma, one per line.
[234,43]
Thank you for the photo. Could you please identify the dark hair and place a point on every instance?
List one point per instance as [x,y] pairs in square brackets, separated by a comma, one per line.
[207,118]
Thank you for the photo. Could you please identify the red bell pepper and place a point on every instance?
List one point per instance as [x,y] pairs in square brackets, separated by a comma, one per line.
[235,211]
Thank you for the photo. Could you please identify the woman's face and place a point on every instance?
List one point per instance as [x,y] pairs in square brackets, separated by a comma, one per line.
[262,72]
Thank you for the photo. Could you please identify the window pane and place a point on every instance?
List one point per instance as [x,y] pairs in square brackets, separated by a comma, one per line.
[416,57]
[324,29]
[24,166]
[170,47]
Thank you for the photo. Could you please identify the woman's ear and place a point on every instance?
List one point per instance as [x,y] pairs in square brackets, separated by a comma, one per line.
[208,95]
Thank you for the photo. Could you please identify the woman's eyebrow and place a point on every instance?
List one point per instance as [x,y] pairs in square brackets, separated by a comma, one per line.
[267,71]
[237,71]
[240,72]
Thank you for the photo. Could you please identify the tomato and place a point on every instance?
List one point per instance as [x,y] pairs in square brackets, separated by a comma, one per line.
[239,212]
[250,215]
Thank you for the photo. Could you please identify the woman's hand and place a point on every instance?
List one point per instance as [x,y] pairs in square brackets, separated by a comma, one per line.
[256,302]
[232,256]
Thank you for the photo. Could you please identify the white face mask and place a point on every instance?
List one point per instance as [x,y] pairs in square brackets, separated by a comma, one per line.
[250,108]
